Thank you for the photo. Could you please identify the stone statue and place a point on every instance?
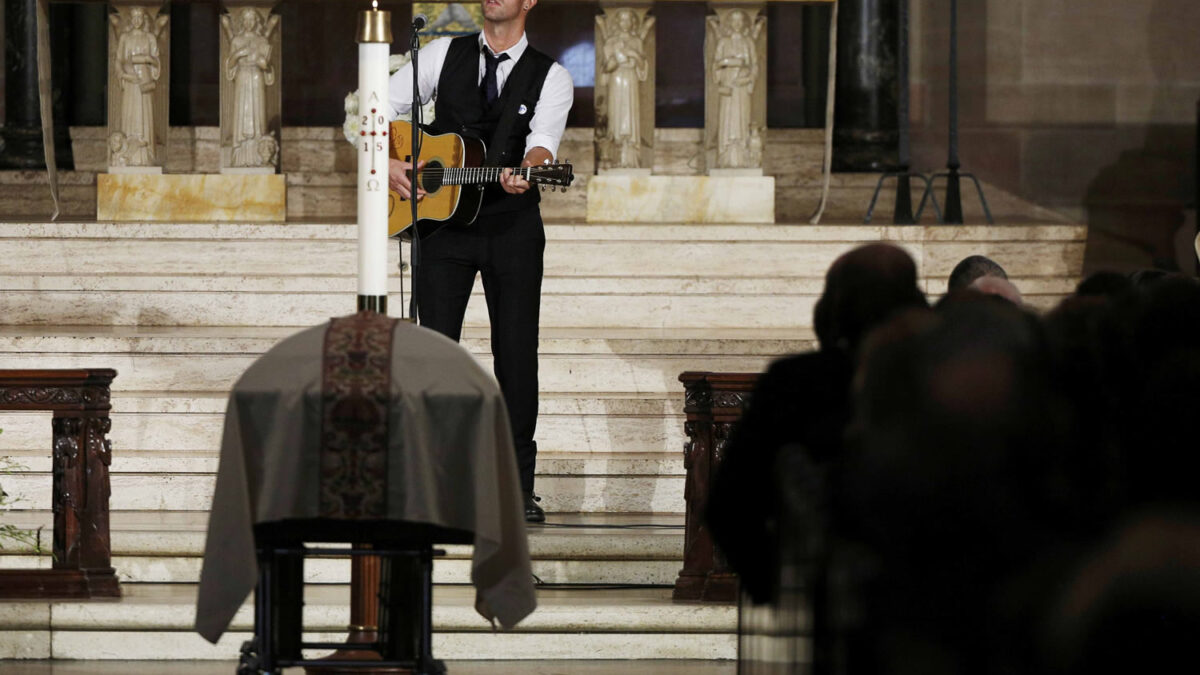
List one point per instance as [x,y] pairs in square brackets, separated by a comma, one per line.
[735,72]
[138,69]
[248,67]
[623,68]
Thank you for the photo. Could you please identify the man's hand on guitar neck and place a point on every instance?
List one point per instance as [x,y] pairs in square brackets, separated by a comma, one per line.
[515,184]
[398,171]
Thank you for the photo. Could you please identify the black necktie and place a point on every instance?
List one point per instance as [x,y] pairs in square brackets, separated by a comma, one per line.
[490,89]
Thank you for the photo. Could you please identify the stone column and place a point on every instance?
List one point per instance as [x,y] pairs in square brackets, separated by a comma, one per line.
[625,87]
[21,136]
[250,87]
[735,88]
[866,129]
[139,58]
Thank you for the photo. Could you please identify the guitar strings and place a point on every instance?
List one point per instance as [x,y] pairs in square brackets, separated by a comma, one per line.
[487,173]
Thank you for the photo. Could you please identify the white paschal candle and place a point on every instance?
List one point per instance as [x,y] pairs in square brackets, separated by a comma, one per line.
[374,46]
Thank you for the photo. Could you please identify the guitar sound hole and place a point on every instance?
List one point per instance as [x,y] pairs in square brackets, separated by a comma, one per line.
[431,177]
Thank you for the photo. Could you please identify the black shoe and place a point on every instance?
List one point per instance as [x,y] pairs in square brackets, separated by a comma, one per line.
[533,512]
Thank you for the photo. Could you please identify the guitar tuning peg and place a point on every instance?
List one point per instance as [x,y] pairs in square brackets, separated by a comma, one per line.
[542,188]
[566,161]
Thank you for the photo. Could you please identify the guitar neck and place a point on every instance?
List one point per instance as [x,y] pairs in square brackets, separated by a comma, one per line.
[474,175]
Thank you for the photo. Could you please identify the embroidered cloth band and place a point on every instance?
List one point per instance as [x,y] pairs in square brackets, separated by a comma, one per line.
[355,392]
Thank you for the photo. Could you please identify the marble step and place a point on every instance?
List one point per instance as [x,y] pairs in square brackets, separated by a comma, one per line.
[595,250]
[204,462]
[667,302]
[568,536]
[566,423]
[572,549]
[560,493]
[154,621]
[588,302]
[529,665]
[176,570]
[597,275]
[592,361]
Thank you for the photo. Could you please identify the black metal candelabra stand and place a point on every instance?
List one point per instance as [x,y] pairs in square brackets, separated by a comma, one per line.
[953,213]
[902,213]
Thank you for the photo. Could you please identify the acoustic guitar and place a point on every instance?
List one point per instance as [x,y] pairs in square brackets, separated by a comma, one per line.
[454,180]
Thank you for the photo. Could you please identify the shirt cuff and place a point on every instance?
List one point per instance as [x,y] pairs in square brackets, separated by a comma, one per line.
[544,140]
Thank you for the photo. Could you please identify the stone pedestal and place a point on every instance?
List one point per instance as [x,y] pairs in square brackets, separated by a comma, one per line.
[139,60]
[625,44]
[625,198]
[191,198]
[250,87]
[735,85]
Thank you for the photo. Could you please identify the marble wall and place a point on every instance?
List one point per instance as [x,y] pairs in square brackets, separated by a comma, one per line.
[1088,106]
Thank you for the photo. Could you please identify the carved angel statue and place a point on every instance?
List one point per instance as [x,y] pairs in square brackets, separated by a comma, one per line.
[248,66]
[138,70]
[735,71]
[621,68]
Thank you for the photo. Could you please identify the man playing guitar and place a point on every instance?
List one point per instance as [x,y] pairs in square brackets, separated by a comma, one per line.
[494,87]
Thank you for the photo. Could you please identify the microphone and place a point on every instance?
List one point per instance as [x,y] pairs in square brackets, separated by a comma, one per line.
[419,22]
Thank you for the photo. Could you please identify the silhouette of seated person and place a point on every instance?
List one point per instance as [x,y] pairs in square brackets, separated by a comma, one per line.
[1153,378]
[952,485]
[972,268]
[1132,602]
[803,400]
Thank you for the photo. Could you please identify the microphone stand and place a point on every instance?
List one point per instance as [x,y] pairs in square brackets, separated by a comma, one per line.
[415,144]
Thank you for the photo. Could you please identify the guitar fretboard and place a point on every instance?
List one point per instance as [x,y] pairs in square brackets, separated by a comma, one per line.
[476,174]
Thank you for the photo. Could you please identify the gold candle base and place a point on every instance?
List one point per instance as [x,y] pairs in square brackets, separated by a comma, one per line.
[375,26]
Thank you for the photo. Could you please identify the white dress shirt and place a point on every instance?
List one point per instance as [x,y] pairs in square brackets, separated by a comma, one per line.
[549,117]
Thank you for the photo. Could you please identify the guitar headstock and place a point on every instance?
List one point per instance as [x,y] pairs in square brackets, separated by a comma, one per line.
[562,174]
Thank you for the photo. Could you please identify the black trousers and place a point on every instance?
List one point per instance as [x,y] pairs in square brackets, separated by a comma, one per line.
[506,249]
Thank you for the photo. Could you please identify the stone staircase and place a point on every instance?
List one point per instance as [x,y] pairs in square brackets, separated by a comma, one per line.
[180,310]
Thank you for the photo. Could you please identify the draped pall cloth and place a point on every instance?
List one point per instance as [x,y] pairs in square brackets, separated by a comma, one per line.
[449,462]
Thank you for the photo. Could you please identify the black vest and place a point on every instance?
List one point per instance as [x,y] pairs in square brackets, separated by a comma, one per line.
[460,109]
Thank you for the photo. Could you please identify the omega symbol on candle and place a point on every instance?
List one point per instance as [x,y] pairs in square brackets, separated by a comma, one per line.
[373,185]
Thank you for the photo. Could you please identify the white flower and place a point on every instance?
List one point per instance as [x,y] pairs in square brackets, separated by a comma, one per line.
[351,126]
